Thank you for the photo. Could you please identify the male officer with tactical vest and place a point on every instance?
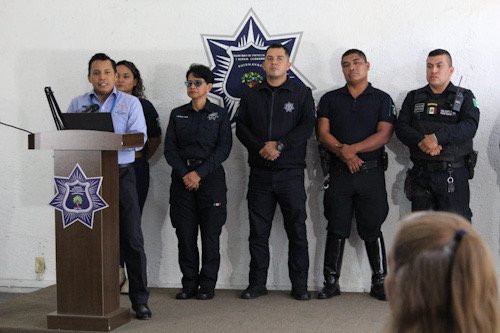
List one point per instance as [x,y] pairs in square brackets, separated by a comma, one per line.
[437,123]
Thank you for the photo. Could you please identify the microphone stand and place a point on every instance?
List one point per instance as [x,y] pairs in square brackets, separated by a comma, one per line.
[54,108]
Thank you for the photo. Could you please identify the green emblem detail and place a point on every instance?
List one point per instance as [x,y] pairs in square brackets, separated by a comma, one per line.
[475,102]
[252,79]
[77,200]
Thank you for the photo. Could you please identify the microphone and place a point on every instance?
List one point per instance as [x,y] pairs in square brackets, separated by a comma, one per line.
[91,108]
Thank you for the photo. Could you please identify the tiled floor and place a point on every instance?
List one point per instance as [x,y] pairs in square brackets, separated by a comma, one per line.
[4,297]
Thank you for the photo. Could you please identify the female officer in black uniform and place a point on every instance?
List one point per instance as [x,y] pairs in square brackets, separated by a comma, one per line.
[129,80]
[197,141]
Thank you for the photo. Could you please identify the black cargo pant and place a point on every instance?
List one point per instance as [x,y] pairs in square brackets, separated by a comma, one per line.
[363,194]
[266,188]
[430,190]
[205,209]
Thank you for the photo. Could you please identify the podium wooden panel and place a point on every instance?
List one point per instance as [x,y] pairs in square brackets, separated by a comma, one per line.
[87,260]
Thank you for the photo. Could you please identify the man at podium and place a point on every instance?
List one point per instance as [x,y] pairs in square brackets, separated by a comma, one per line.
[128,117]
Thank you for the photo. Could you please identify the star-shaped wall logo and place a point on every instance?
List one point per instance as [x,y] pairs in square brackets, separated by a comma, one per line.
[78,197]
[236,60]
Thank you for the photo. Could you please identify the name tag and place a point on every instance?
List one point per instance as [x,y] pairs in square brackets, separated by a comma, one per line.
[450,113]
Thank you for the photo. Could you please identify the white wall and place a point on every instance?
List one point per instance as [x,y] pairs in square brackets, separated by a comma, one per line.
[48,43]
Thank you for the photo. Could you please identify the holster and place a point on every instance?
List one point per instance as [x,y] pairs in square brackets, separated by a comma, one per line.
[325,158]
[409,185]
[470,162]
[385,160]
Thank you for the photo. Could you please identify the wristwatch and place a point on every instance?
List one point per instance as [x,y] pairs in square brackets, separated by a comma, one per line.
[280,146]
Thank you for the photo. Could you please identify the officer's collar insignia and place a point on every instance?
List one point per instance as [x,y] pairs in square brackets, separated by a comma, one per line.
[236,60]
[78,197]
[419,107]
[213,116]
[288,107]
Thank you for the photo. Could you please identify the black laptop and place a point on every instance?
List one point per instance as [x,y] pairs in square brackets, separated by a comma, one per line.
[88,120]
[96,121]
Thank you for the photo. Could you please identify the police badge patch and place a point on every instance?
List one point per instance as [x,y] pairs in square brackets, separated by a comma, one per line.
[213,116]
[288,107]
[78,197]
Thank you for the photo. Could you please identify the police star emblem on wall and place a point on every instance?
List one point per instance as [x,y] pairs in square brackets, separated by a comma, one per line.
[236,60]
[78,198]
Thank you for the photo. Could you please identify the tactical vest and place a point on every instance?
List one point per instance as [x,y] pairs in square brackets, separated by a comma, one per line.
[429,115]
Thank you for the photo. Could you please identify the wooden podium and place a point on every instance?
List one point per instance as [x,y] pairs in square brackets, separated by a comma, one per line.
[87,260]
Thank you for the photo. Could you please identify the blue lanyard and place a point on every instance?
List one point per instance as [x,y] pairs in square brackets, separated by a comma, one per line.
[112,105]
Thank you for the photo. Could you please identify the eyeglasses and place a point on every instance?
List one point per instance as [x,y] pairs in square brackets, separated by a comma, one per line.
[197,83]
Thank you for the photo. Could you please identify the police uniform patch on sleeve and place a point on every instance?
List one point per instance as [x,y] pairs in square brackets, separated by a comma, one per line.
[392,110]
[418,108]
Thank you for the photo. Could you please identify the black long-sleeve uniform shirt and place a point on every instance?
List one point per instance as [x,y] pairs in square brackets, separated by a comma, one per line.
[204,135]
[284,114]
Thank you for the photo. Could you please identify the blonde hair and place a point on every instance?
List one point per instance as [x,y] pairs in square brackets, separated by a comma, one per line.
[442,278]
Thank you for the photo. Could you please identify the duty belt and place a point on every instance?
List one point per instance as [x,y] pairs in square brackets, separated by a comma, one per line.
[124,165]
[194,162]
[439,166]
[367,165]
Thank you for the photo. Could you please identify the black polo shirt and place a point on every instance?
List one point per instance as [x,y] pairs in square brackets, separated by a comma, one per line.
[152,123]
[354,119]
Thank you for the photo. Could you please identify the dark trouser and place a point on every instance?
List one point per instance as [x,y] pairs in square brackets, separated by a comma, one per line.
[362,193]
[141,168]
[206,209]
[430,191]
[131,240]
[266,188]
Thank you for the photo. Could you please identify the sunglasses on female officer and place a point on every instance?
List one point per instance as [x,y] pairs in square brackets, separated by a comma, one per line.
[196,83]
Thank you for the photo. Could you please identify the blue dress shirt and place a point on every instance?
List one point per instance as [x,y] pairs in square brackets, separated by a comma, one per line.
[126,112]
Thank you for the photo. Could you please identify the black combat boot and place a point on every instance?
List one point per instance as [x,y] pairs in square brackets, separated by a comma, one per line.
[378,264]
[334,251]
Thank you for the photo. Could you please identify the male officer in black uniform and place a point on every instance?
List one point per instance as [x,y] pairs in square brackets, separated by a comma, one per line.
[274,121]
[437,122]
[354,123]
